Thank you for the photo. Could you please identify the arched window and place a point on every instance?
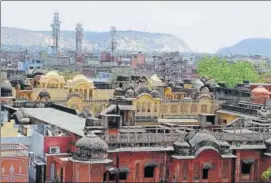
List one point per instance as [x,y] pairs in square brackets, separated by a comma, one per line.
[204,108]
[149,106]
[90,93]
[155,107]
[85,93]
[144,106]
[194,108]
[138,106]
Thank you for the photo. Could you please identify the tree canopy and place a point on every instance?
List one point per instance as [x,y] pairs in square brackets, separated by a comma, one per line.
[221,70]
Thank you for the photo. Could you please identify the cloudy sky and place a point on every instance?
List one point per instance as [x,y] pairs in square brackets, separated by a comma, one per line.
[205,26]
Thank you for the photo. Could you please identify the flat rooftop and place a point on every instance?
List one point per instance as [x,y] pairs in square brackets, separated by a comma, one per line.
[177,121]
[69,122]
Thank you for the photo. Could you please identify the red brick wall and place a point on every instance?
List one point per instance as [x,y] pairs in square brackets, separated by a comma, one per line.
[195,167]
[255,173]
[20,165]
[62,142]
[130,159]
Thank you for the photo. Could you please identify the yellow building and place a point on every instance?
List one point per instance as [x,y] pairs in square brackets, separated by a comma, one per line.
[59,90]
[82,85]
[9,130]
[225,117]
[147,105]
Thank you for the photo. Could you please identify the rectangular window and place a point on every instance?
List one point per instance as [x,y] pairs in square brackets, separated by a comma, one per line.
[205,173]
[149,172]
[122,176]
[105,177]
[246,168]
[61,175]
[112,177]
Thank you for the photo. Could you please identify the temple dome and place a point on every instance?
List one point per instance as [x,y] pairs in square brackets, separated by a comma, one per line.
[202,136]
[119,89]
[6,89]
[130,93]
[224,144]
[260,89]
[155,93]
[181,144]
[52,74]
[44,93]
[92,143]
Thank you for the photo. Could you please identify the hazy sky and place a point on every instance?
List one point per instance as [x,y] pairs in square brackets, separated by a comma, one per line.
[204,26]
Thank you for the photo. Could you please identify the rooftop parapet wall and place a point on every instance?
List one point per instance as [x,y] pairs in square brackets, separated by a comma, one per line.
[13,150]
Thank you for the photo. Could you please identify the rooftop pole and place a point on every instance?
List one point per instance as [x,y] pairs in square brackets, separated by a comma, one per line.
[1,120]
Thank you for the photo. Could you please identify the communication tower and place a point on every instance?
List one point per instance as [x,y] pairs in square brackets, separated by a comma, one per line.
[55,33]
[113,43]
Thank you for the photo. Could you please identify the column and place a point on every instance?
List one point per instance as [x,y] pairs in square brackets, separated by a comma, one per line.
[237,166]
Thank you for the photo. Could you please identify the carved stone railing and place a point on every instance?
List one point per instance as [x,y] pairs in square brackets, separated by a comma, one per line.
[155,139]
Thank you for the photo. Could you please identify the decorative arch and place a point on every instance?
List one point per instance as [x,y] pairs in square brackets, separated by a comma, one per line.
[204,98]
[194,108]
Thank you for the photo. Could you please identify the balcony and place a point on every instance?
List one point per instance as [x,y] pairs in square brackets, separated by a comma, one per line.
[13,150]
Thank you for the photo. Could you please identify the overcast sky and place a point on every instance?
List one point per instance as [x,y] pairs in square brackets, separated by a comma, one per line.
[204,26]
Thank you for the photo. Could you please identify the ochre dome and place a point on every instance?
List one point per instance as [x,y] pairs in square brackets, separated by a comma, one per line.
[260,89]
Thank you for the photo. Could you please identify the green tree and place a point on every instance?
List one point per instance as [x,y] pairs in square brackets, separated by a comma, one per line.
[266,174]
[232,73]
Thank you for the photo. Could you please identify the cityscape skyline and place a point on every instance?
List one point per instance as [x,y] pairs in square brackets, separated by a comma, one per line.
[204,26]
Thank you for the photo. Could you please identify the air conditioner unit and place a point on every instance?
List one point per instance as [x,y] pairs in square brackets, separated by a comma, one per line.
[31,156]
[54,150]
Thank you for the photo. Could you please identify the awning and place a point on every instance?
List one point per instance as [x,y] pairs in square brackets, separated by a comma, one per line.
[112,170]
[151,164]
[248,161]
[124,170]
[207,166]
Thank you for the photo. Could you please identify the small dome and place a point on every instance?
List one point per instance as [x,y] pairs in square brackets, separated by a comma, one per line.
[119,89]
[92,143]
[6,89]
[155,93]
[171,84]
[268,141]
[129,86]
[118,92]
[260,89]
[44,93]
[202,136]
[143,89]
[6,85]
[130,93]
[224,144]
[181,144]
